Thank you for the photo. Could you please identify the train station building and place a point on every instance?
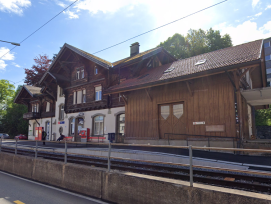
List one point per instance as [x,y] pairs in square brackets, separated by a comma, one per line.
[151,97]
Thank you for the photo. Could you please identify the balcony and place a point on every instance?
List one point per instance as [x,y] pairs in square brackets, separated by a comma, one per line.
[31,115]
[47,114]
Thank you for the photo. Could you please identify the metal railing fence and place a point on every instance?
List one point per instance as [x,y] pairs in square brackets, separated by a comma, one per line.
[190,148]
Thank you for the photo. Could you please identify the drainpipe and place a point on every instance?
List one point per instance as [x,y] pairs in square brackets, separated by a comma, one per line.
[51,127]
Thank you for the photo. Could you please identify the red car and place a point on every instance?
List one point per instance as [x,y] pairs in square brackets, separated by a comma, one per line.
[20,137]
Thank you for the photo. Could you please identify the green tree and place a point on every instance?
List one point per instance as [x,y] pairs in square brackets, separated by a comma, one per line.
[12,121]
[263,117]
[6,93]
[196,42]
[176,46]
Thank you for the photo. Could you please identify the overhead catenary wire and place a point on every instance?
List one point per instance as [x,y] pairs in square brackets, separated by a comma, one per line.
[161,26]
[40,27]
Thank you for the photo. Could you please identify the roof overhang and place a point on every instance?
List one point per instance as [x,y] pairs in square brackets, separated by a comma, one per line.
[258,97]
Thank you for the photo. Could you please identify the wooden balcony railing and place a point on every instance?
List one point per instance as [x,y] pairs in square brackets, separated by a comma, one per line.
[31,115]
[47,114]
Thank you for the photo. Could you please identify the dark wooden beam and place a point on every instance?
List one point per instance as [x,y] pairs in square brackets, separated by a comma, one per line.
[189,89]
[124,99]
[148,94]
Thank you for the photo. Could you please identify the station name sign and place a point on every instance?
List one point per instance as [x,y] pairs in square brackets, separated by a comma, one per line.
[199,123]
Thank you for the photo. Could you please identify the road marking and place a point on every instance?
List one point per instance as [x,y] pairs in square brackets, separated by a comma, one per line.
[18,202]
[54,188]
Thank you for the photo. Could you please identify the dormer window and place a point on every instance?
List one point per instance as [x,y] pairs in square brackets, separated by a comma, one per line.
[80,73]
[35,108]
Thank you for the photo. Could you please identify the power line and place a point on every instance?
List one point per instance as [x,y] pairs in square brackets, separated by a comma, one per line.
[40,27]
[161,26]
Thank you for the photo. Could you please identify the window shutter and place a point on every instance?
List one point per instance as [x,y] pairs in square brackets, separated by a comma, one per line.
[74,97]
[79,96]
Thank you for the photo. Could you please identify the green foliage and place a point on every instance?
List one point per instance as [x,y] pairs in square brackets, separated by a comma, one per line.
[6,93]
[12,121]
[196,42]
[263,117]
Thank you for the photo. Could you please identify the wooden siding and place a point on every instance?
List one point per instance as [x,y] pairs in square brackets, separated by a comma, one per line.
[212,101]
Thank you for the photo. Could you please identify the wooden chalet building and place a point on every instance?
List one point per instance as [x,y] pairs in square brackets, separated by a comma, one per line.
[71,96]
[206,95]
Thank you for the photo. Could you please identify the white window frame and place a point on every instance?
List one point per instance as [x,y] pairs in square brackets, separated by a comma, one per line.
[82,73]
[35,107]
[60,91]
[72,126]
[97,124]
[98,89]
[77,74]
[79,96]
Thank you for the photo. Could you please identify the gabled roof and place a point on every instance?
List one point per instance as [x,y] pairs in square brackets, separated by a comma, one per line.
[87,55]
[32,90]
[213,61]
[140,56]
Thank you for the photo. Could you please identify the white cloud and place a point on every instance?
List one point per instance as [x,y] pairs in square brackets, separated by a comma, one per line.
[71,14]
[2,65]
[255,2]
[15,64]
[8,56]
[245,32]
[14,6]
[60,3]
[268,7]
[258,14]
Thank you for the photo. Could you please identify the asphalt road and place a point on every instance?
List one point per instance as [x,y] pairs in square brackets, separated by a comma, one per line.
[17,190]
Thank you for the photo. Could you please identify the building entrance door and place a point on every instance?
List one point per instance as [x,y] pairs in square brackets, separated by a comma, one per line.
[47,130]
[79,126]
[171,120]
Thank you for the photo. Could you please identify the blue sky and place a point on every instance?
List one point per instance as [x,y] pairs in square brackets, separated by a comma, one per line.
[92,25]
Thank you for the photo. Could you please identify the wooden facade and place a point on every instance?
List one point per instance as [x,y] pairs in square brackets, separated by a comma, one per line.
[211,101]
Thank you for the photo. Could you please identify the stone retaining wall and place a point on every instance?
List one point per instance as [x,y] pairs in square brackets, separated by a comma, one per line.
[123,187]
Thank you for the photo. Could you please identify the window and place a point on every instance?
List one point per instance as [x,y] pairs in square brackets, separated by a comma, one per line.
[98,93]
[267,44]
[80,73]
[84,96]
[79,96]
[61,112]
[72,125]
[96,70]
[178,110]
[268,57]
[47,106]
[165,111]
[268,71]
[35,108]
[75,97]
[98,125]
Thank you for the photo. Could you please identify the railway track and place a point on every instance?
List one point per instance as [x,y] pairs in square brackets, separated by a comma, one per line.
[261,184]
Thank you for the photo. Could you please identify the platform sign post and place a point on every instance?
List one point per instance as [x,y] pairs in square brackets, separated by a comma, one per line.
[36,151]
[65,152]
[16,146]
[191,165]
[109,154]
